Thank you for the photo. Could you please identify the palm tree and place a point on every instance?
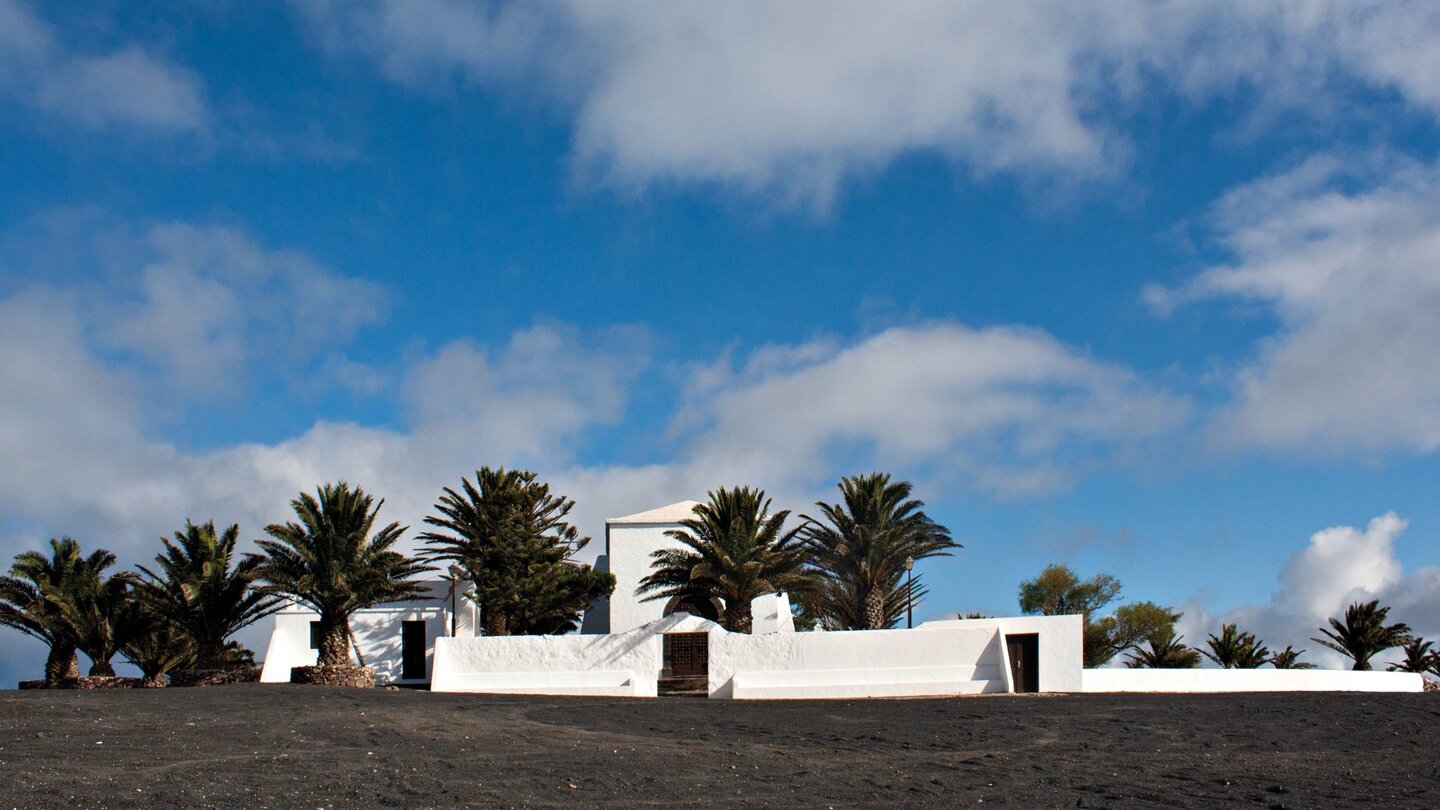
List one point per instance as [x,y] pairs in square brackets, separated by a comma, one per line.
[860,549]
[511,536]
[1419,657]
[1236,650]
[201,593]
[1289,658]
[1165,652]
[98,608]
[30,600]
[1364,633]
[732,550]
[335,562]
[157,646]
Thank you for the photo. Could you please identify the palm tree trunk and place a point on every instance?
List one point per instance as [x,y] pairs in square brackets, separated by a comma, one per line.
[334,641]
[209,657]
[737,616]
[101,668]
[61,664]
[496,624]
[875,610]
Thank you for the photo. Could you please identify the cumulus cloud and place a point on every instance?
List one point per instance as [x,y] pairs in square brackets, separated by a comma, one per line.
[202,307]
[1338,566]
[126,87]
[792,99]
[1006,410]
[1346,252]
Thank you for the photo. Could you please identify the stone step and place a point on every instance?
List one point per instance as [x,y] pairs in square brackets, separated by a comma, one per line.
[684,687]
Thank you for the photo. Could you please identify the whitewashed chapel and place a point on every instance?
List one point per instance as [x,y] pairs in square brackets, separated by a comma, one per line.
[630,647]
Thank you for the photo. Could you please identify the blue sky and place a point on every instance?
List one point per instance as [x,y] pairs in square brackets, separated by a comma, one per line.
[1146,290]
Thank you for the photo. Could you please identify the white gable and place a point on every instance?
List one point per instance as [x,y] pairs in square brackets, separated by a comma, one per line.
[673,513]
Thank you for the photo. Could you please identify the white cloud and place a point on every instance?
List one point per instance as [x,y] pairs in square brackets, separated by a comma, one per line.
[1007,410]
[201,307]
[1339,565]
[793,99]
[1346,253]
[124,87]
[207,303]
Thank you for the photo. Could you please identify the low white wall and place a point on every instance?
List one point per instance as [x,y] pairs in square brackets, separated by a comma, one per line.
[1249,680]
[1062,640]
[621,665]
[855,663]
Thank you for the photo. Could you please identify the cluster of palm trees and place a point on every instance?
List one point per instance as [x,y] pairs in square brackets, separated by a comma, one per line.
[175,618]
[1363,633]
[847,568]
[506,532]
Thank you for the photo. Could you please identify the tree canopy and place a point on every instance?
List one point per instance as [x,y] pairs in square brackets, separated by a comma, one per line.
[511,536]
[732,549]
[1234,649]
[1166,651]
[202,590]
[333,560]
[861,548]
[1363,634]
[1059,591]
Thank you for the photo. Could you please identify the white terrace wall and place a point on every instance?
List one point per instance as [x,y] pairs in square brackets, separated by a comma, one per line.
[856,663]
[619,664]
[1249,680]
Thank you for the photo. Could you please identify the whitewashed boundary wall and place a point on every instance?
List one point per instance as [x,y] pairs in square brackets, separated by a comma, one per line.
[856,663]
[1061,645]
[1249,680]
[618,665]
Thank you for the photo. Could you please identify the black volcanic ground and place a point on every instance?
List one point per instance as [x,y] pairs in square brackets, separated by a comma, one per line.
[310,747]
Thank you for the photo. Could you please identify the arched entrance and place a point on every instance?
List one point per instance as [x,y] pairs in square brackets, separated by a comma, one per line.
[696,605]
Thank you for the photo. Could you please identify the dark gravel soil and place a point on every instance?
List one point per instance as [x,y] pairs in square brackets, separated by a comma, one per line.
[308,747]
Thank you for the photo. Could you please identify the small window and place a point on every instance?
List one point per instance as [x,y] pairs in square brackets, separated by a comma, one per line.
[314,635]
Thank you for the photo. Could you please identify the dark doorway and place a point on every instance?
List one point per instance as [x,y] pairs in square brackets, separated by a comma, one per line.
[1024,650]
[314,635]
[687,655]
[412,651]
[685,669]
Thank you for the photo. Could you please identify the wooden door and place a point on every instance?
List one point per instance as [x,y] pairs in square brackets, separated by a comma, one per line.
[1024,650]
[412,651]
[687,655]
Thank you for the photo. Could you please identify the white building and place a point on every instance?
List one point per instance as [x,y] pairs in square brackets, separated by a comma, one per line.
[630,646]
[398,640]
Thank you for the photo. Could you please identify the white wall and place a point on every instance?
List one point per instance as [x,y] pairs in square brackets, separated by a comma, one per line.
[855,663]
[1249,680]
[628,548]
[620,664]
[377,633]
[1062,640]
[939,658]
